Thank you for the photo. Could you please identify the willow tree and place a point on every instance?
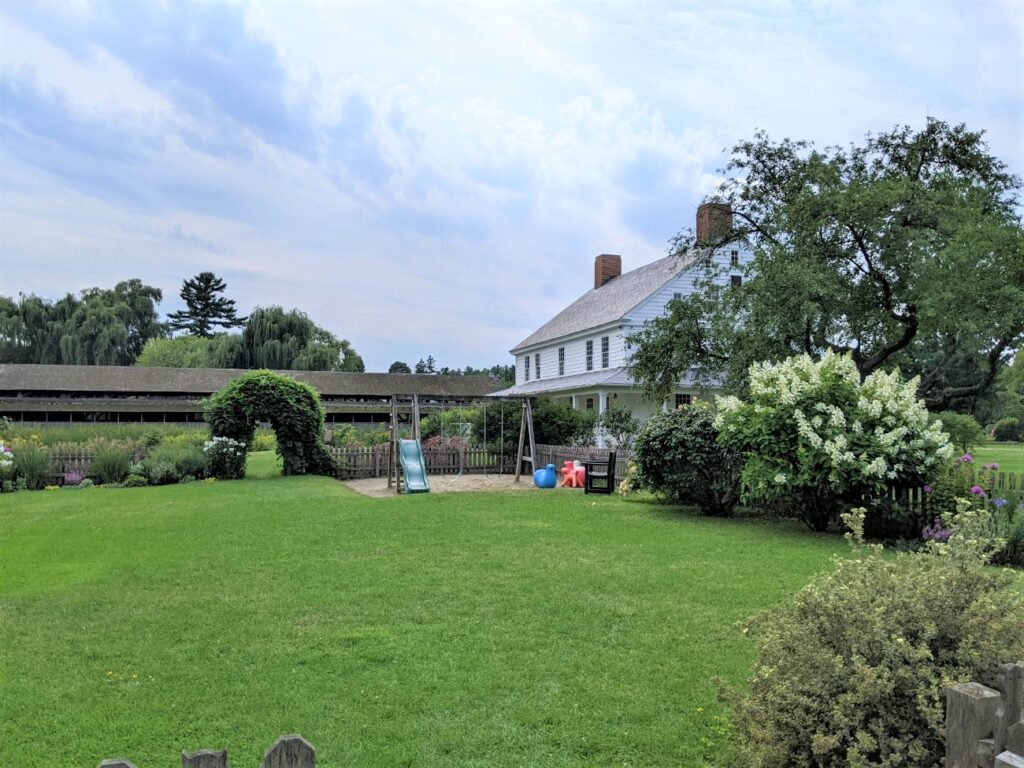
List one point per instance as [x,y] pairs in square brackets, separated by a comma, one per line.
[903,251]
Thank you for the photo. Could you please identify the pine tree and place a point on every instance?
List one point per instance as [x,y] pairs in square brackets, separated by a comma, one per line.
[205,308]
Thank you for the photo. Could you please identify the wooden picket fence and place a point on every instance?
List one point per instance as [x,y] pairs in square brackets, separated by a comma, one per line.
[68,459]
[362,462]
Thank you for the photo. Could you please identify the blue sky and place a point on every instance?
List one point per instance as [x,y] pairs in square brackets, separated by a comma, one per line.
[436,178]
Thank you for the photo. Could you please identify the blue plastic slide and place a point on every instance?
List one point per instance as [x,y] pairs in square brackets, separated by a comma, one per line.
[414,468]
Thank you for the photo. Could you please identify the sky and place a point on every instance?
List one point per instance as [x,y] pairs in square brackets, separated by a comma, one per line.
[437,178]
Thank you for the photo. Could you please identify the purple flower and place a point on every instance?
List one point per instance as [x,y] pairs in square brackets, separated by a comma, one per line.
[936,532]
[977,489]
[928,489]
[966,459]
[999,502]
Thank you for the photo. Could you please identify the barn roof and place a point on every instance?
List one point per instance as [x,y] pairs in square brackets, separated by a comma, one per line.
[611,302]
[124,380]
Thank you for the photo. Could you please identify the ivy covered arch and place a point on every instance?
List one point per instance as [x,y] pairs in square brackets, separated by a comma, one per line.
[292,408]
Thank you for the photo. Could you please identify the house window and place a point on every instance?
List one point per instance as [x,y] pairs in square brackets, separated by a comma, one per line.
[604,351]
[590,355]
[677,296]
[734,258]
[561,361]
[527,361]
[737,280]
[536,364]
[682,400]
[590,403]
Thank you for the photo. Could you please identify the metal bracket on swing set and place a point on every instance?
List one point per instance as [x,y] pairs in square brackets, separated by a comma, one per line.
[526,431]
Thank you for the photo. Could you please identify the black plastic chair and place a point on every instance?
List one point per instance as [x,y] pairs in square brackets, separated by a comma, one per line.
[600,475]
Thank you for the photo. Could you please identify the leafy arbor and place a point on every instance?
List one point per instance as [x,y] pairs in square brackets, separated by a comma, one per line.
[292,408]
[206,309]
[906,251]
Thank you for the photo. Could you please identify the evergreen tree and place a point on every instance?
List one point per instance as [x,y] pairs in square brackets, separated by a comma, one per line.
[206,309]
[421,367]
[399,367]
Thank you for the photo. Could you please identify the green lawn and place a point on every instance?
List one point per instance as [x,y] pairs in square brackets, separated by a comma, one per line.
[1009,456]
[463,629]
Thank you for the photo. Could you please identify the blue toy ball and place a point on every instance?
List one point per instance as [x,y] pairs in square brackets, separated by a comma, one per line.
[545,478]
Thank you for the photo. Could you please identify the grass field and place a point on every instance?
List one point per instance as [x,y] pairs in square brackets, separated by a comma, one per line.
[1009,456]
[549,629]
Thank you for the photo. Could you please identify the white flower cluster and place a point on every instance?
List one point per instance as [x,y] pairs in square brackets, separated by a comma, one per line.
[823,419]
[224,445]
[6,457]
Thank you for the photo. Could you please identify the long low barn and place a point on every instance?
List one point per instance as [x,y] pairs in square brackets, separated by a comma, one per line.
[120,394]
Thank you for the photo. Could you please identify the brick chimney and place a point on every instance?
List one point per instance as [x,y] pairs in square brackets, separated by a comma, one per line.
[606,267]
[714,221]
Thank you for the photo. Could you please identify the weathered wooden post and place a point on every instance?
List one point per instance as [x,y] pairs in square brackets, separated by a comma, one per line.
[970,708]
[290,752]
[1009,760]
[205,758]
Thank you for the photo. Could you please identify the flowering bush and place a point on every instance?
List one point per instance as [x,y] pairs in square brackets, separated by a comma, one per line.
[6,467]
[854,670]
[226,458]
[966,480]
[816,439]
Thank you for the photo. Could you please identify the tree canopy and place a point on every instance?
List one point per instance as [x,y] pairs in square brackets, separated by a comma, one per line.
[903,251]
[99,326]
[272,338]
[206,309]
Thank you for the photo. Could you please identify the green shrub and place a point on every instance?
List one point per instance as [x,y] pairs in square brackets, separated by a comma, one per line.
[110,465]
[264,441]
[854,670]
[135,481]
[86,483]
[161,472]
[619,423]
[1008,429]
[170,462]
[677,455]
[818,440]
[558,423]
[225,457]
[964,432]
[33,465]
[449,423]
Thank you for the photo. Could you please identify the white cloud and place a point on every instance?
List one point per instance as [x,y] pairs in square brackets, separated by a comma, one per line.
[436,178]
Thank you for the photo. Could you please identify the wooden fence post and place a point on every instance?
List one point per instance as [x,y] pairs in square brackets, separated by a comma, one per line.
[205,758]
[970,708]
[290,752]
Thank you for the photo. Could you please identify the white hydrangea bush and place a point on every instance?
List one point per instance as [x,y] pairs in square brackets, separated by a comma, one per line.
[817,439]
[226,457]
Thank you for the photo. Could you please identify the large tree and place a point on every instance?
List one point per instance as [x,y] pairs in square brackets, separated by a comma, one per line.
[99,326]
[905,250]
[206,309]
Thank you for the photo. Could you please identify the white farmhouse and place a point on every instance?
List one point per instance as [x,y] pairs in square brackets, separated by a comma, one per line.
[581,353]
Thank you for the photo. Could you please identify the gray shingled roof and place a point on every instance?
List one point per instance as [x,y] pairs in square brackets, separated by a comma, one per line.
[607,377]
[611,302]
[204,381]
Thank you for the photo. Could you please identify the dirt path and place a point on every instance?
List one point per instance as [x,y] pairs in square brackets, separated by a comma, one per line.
[378,486]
